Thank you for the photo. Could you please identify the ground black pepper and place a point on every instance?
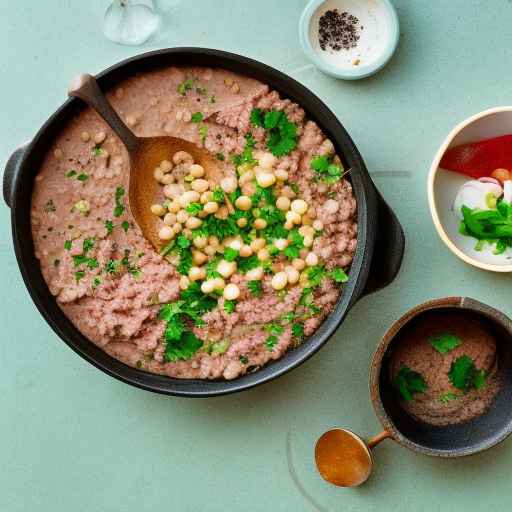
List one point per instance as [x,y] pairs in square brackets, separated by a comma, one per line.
[338,31]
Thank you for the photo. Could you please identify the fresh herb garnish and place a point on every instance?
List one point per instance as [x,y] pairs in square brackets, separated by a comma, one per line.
[448,397]
[125,225]
[109,225]
[71,173]
[444,343]
[203,132]
[119,208]
[96,282]
[328,171]
[194,208]
[408,382]
[281,132]
[229,306]
[230,254]
[338,275]
[246,157]
[185,86]
[298,330]
[79,274]
[97,151]
[82,177]
[68,244]
[244,359]
[220,156]
[255,287]
[197,117]
[464,374]
[271,342]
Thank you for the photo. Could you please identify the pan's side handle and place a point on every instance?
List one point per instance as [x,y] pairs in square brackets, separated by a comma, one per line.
[389,248]
[11,171]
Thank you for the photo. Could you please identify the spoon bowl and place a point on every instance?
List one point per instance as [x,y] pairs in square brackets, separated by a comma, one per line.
[146,154]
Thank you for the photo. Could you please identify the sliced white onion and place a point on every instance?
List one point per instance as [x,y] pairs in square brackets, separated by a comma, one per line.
[507,191]
[473,194]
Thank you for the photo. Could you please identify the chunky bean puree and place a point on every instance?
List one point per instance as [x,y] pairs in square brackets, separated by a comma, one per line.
[250,265]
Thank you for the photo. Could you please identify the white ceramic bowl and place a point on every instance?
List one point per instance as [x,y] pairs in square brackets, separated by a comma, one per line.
[378,42]
[443,186]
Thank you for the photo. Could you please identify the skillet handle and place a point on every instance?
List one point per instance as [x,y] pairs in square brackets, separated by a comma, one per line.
[11,171]
[389,248]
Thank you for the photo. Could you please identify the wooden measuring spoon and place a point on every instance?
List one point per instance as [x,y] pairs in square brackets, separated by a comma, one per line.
[146,153]
[343,458]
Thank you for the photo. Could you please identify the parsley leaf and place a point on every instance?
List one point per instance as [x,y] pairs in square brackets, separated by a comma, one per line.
[256,117]
[119,208]
[281,133]
[464,374]
[125,225]
[328,171]
[408,382]
[338,275]
[82,177]
[271,342]
[255,288]
[87,244]
[194,208]
[197,117]
[219,156]
[229,306]
[68,244]
[448,397]
[79,275]
[298,330]
[71,173]
[184,348]
[444,343]
[185,86]
[230,254]
[203,133]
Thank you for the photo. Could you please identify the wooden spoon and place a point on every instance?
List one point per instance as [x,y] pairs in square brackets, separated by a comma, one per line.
[146,154]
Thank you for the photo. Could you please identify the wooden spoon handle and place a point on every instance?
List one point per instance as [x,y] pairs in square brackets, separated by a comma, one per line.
[374,441]
[87,89]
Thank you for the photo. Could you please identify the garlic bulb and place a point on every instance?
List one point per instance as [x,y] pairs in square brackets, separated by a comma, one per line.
[130,22]
[476,194]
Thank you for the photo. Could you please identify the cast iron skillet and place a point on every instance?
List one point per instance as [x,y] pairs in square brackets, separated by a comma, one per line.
[380,237]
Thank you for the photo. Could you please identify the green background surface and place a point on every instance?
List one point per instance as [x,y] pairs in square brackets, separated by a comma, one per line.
[74,439]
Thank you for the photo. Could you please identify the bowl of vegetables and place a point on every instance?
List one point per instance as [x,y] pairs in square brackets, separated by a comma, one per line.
[470,190]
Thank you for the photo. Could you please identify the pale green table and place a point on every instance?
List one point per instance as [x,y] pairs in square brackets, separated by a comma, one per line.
[73,439]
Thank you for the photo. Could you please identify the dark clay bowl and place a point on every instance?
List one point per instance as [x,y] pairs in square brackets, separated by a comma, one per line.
[468,438]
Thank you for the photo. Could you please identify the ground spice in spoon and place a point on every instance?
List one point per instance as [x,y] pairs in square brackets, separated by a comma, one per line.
[338,31]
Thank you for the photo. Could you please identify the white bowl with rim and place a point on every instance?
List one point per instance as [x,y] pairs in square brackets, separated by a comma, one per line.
[377,44]
[443,186]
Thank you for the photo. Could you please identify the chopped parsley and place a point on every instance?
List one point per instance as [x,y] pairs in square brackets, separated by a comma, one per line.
[465,376]
[218,195]
[408,383]
[109,225]
[271,342]
[229,306]
[230,254]
[255,287]
[338,275]
[79,274]
[274,328]
[181,247]
[203,133]
[125,225]
[246,157]
[68,244]
[119,208]
[197,117]
[243,359]
[97,151]
[82,177]
[194,208]
[111,267]
[444,343]
[281,132]
[448,397]
[219,156]
[326,170]
[298,330]
[87,244]
[295,245]
[71,173]
[185,86]
[56,262]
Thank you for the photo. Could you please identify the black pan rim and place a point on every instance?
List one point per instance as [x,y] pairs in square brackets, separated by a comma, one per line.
[359,272]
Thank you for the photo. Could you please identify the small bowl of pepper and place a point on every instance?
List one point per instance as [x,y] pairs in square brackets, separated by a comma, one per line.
[349,39]
[440,383]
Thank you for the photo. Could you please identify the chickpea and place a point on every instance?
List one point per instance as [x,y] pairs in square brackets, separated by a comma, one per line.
[200,185]
[166,166]
[191,196]
[173,190]
[184,282]
[279,280]
[211,207]
[283,203]
[243,203]
[281,174]
[165,233]
[501,175]
[222,212]
[292,273]
[258,243]
[298,264]
[100,137]
[267,160]
[131,120]
[218,283]
[306,220]
[311,259]
[158,174]
[281,243]
[196,170]
[213,241]
[293,217]
[193,222]
[241,222]
[235,244]
[318,225]
[202,214]
[177,228]
[231,292]
[157,209]
[85,136]
[209,250]
[170,219]
[187,232]
[311,212]
[299,206]
[266,179]
[263,255]
[307,231]
[226,268]
[205,197]
[167,179]
[208,286]
[182,157]
[196,273]
[246,177]
[245,251]
[308,241]
[199,258]
[174,207]
[260,223]
[255,274]
[182,216]
[228,184]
